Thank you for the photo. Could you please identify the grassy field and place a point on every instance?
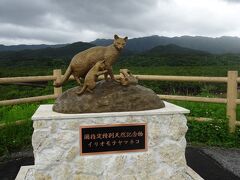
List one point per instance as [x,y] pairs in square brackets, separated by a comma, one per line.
[213,133]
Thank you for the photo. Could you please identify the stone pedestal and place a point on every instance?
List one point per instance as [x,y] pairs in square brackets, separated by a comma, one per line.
[56,147]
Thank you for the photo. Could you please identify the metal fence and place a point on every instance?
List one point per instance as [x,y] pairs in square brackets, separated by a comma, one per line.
[231,100]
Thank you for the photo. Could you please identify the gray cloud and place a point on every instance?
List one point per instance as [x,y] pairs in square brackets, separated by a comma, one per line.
[61,21]
[234,1]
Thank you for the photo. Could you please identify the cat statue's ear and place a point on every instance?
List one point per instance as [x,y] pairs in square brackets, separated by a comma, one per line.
[126,38]
[116,37]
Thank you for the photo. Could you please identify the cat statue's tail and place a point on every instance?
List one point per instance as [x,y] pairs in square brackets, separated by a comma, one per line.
[65,77]
[82,90]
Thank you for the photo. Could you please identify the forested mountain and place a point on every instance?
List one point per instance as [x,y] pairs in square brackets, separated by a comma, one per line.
[161,55]
[173,55]
[24,47]
[174,49]
[47,56]
[221,45]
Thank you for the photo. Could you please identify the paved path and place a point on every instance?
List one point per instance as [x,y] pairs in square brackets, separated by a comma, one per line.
[228,158]
[200,160]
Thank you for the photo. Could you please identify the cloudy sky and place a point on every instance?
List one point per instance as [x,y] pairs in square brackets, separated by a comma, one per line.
[65,21]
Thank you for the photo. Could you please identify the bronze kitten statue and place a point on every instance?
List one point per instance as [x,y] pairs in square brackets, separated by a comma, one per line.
[91,77]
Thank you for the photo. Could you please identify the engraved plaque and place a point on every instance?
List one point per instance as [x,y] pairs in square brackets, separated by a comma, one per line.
[116,138]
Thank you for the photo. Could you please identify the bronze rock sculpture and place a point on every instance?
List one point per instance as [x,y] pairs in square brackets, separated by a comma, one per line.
[108,96]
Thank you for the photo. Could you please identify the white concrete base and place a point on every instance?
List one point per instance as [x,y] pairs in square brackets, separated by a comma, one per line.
[24,172]
[56,147]
[27,171]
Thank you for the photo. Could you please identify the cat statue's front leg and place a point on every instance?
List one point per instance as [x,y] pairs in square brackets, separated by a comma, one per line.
[110,73]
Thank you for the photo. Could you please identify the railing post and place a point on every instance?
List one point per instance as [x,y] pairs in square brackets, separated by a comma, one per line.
[57,73]
[231,99]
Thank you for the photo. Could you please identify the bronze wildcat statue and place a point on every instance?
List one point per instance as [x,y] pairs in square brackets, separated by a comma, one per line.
[85,60]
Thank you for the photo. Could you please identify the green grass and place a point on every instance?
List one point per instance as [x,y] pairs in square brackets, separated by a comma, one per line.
[15,137]
[201,109]
[181,70]
[10,114]
[210,133]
